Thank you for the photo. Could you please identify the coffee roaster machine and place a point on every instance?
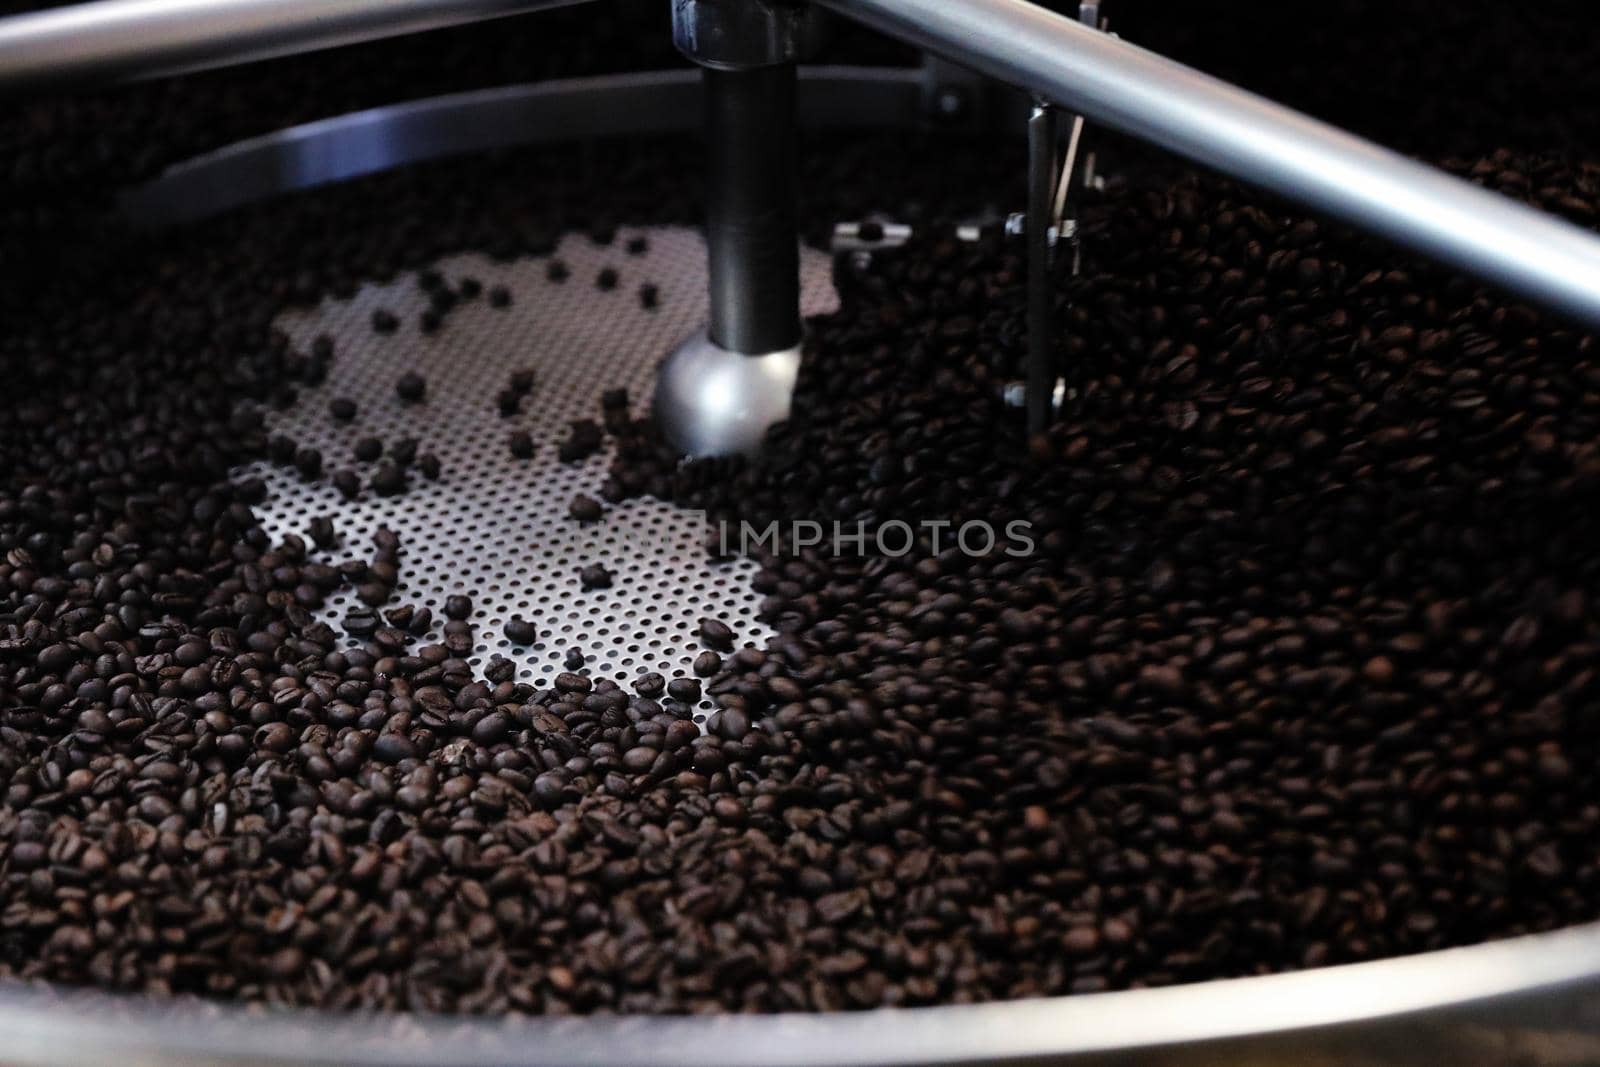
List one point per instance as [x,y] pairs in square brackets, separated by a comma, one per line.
[721,368]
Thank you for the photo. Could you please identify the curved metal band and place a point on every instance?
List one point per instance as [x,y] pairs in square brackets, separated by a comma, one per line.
[614,105]
[1530,1000]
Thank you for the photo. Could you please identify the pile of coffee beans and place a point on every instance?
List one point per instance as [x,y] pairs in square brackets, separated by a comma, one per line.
[1298,664]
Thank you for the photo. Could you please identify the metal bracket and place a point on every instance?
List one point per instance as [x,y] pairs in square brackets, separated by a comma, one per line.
[740,34]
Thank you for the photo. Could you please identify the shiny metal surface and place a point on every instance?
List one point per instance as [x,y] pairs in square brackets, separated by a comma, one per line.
[126,40]
[752,216]
[495,525]
[1533,1002]
[739,34]
[368,142]
[1251,138]
[713,402]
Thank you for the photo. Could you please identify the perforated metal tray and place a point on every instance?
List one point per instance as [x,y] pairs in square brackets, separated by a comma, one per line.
[496,526]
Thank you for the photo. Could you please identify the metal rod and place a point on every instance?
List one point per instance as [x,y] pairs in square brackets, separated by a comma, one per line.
[125,40]
[751,214]
[1041,179]
[1253,139]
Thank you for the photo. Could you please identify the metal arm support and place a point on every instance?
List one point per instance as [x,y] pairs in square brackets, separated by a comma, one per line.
[1251,138]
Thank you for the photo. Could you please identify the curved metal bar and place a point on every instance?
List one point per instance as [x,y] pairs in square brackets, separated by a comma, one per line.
[125,40]
[1254,139]
[612,105]
[1530,1000]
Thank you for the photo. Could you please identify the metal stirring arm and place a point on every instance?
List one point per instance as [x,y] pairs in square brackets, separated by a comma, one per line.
[1014,41]
[1054,57]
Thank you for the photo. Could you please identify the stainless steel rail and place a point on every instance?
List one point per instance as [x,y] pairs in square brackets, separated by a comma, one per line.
[1251,138]
[125,40]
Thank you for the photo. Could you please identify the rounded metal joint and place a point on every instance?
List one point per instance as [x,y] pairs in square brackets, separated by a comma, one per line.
[740,34]
[713,402]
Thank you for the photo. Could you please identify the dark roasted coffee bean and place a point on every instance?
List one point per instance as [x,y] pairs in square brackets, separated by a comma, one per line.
[368,449]
[716,634]
[686,690]
[585,509]
[573,660]
[430,466]
[519,631]
[595,576]
[649,297]
[384,321]
[606,280]
[308,461]
[388,480]
[411,387]
[457,606]
[348,483]
[342,408]
[322,532]
[557,271]
[707,663]
[499,297]
[392,748]
[521,444]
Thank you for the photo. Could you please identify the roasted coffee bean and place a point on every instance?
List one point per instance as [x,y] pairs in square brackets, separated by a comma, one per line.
[707,663]
[308,461]
[557,271]
[392,748]
[388,479]
[411,387]
[585,508]
[638,245]
[521,381]
[521,444]
[342,408]
[348,483]
[585,440]
[649,296]
[686,690]
[457,606]
[716,634]
[595,576]
[384,321]
[519,631]
[499,297]
[322,532]
[607,279]
[469,288]
[508,402]
[368,449]
[430,466]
